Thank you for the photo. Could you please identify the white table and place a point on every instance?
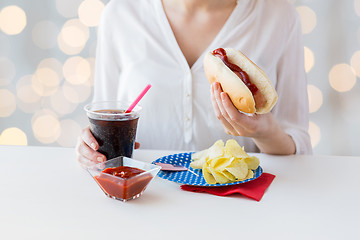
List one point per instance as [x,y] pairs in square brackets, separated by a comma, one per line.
[45,194]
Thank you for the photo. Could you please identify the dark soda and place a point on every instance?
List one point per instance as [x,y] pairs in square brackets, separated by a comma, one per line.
[115,134]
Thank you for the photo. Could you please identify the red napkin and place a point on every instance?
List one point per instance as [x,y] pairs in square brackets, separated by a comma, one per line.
[254,189]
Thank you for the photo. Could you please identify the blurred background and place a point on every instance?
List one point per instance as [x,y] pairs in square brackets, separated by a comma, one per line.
[47,55]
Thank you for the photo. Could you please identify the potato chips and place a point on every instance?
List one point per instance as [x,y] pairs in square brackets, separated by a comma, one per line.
[224,164]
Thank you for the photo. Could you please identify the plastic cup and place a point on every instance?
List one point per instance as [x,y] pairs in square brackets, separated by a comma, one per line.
[113,128]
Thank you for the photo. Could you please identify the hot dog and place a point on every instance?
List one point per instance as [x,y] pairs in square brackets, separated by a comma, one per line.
[247,85]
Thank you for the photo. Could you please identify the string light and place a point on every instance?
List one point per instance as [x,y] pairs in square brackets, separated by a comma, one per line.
[315,98]
[309,59]
[308,19]
[28,99]
[46,126]
[90,12]
[315,134]
[13,136]
[45,81]
[77,70]
[342,77]
[73,37]
[60,104]
[7,103]
[12,20]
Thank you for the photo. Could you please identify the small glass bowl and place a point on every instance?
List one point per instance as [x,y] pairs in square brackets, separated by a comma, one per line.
[123,189]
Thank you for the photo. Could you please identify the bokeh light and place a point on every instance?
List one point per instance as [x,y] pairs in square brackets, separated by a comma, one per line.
[309,59]
[46,126]
[44,34]
[74,33]
[53,64]
[342,77]
[7,71]
[45,81]
[7,103]
[70,131]
[73,37]
[28,99]
[308,19]
[68,49]
[90,12]
[13,136]
[315,133]
[315,98]
[24,90]
[91,61]
[68,8]
[12,20]
[60,104]
[355,63]
[70,93]
[76,93]
[77,70]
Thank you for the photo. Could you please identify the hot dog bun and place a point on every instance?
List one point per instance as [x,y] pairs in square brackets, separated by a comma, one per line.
[239,93]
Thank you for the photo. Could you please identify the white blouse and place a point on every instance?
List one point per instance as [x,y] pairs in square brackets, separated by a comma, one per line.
[136,47]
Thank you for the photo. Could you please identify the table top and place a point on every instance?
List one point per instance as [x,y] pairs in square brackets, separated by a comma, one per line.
[45,194]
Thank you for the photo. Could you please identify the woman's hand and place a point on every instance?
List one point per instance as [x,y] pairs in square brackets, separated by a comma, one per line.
[86,149]
[263,128]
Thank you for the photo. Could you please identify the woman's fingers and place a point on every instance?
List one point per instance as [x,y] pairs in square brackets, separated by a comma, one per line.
[219,109]
[214,101]
[86,149]
[217,96]
[233,113]
[235,122]
[89,139]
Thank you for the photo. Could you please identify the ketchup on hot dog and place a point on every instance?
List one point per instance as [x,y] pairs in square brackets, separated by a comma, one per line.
[221,53]
[258,97]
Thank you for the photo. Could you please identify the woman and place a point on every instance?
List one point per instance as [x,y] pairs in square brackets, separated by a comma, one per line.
[163,43]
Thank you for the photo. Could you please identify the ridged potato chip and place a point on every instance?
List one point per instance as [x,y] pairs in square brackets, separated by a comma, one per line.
[219,177]
[250,174]
[229,176]
[252,162]
[225,164]
[207,175]
[216,150]
[198,159]
[238,168]
[220,163]
[232,148]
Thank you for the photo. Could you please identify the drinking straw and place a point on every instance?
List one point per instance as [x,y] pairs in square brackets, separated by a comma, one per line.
[138,98]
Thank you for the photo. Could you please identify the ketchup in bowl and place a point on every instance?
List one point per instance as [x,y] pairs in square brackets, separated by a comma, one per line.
[126,187]
[123,178]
